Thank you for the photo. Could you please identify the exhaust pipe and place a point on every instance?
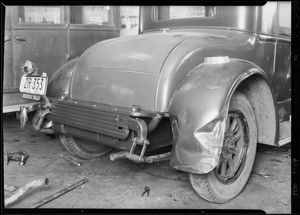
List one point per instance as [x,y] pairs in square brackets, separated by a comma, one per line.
[118,155]
[135,158]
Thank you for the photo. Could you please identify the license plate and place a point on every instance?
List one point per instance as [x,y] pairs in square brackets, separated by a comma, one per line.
[30,96]
[33,85]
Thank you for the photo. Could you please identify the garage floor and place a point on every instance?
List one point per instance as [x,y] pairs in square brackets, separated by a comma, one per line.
[120,184]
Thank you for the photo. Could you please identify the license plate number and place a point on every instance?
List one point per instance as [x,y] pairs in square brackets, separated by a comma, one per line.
[33,85]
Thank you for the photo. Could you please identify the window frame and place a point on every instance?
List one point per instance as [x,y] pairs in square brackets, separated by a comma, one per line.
[111,26]
[66,21]
[283,31]
[154,15]
[16,24]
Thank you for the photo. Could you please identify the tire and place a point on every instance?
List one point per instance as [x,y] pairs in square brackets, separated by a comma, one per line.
[230,176]
[83,149]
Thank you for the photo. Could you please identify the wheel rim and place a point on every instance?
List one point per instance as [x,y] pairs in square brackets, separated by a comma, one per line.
[235,146]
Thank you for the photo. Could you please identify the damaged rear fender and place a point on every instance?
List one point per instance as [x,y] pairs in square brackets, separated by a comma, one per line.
[198,111]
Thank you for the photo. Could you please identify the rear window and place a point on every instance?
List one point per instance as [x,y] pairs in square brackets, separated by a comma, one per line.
[183,12]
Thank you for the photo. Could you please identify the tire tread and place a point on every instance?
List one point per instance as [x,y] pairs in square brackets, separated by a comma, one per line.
[72,147]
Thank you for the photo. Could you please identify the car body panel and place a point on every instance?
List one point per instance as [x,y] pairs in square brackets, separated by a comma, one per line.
[115,87]
[60,81]
[217,42]
[125,71]
[198,121]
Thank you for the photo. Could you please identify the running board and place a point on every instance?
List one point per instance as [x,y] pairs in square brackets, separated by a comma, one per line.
[285,133]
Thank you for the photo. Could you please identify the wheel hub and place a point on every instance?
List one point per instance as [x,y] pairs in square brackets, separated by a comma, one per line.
[234,148]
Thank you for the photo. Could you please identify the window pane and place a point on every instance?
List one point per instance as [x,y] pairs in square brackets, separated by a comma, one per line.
[90,15]
[40,14]
[130,20]
[284,21]
[183,12]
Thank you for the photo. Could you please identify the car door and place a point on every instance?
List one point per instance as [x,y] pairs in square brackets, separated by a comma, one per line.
[35,33]
[39,35]
[281,78]
[91,24]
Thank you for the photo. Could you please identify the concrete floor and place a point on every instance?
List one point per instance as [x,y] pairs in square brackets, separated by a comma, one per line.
[120,184]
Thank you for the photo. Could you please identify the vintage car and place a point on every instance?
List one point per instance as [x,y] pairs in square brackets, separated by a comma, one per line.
[199,85]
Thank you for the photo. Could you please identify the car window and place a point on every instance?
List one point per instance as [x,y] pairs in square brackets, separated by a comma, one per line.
[40,14]
[129,20]
[284,18]
[183,12]
[91,15]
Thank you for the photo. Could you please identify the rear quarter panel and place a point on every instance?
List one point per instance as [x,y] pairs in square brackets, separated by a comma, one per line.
[218,42]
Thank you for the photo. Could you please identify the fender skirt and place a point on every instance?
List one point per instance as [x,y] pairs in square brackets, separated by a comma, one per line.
[198,111]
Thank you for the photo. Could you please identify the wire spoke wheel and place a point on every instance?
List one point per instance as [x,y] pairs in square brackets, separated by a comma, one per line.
[234,149]
[231,174]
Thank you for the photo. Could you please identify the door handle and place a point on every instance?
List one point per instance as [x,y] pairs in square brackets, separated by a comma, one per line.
[20,39]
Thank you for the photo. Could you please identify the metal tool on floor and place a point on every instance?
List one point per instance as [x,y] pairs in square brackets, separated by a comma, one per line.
[16,156]
[19,192]
[58,194]
[73,161]
[146,190]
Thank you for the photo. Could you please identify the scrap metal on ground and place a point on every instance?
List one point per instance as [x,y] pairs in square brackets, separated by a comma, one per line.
[21,191]
[59,193]
[16,156]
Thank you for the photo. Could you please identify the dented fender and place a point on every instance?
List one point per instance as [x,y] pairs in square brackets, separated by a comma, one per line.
[198,111]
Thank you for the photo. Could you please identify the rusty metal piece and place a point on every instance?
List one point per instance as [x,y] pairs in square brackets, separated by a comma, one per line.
[16,156]
[70,160]
[10,187]
[58,194]
[279,161]
[262,174]
[21,191]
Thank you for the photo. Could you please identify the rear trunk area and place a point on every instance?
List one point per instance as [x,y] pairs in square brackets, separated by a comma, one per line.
[123,71]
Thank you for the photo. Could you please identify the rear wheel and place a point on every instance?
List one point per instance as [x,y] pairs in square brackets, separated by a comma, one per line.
[238,153]
[84,149]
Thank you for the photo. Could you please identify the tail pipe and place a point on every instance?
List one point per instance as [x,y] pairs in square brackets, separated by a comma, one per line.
[135,158]
[154,122]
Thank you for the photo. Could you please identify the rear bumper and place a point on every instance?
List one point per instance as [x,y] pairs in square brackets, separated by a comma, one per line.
[15,108]
[89,118]
[103,124]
